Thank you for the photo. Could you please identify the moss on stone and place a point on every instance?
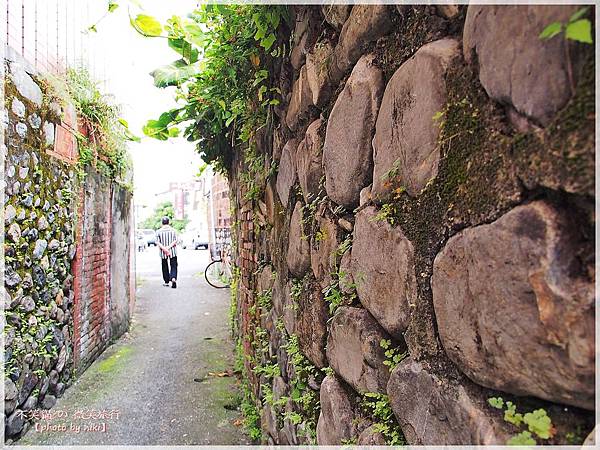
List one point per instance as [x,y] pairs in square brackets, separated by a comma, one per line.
[485,169]
[416,26]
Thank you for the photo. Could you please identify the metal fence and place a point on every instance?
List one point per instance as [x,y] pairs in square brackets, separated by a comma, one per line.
[51,34]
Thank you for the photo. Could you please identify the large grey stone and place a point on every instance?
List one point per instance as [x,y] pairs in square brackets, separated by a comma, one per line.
[311,325]
[298,254]
[347,151]
[300,101]
[516,66]
[323,256]
[371,436]
[48,133]
[286,175]
[309,161]
[25,84]
[405,146]
[354,351]
[431,411]
[9,406]
[26,384]
[30,403]
[27,303]
[21,130]
[14,232]
[289,309]
[27,282]
[319,72]
[338,419]
[514,305]
[268,421]
[448,11]
[18,107]
[306,33]
[11,278]
[10,390]
[366,24]
[383,268]
[35,121]
[336,15]
[9,214]
[40,248]
[49,401]
[62,359]
[265,279]
[14,423]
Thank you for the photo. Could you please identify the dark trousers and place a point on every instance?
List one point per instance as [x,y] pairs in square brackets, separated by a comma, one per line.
[168,275]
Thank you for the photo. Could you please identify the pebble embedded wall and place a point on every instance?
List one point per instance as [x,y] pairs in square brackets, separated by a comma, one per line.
[431,201]
[58,252]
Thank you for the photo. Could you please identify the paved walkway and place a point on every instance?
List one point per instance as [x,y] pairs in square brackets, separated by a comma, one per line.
[177,335]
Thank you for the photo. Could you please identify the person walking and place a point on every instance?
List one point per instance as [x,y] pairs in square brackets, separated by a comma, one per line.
[166,239]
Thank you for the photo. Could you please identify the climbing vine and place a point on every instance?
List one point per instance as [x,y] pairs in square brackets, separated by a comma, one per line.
[222,77]
[102,134]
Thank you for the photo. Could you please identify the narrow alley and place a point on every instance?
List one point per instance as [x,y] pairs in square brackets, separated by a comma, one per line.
[147,378]
[384,218]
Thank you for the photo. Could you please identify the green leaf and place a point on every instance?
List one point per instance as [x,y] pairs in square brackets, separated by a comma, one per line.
[580,31]
[128,134]
[261,92]
[159,129]
[112,6]
[539,423]
[268,41]
[551,30]
[147,25]
[523,438]
[196,35]
[296,394]
[579,14]
[93,29]
[174,74]
[184,48]
[496,402]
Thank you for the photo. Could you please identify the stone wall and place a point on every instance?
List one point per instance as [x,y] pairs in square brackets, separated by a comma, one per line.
[428,240]
[63,227]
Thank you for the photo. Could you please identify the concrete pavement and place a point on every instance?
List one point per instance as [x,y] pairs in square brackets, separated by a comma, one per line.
[146,379]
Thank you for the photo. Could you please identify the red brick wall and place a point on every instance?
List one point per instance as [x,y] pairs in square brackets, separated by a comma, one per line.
[220,189]
[92,271]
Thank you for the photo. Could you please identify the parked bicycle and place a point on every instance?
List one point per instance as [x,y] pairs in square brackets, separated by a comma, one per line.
[218,273]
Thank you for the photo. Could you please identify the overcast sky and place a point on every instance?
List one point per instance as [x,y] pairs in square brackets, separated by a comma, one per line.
[130,59]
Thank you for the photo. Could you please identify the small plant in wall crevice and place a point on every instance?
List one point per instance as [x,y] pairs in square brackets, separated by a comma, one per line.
[578,28]
[538,423]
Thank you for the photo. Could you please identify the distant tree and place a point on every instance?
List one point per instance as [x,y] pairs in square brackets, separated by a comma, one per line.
[164,209]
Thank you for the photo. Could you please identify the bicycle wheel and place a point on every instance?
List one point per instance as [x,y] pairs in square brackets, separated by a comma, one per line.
[217,275]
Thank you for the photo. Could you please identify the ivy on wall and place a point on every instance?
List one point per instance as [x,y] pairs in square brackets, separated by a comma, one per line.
[222,77]
[102,134]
